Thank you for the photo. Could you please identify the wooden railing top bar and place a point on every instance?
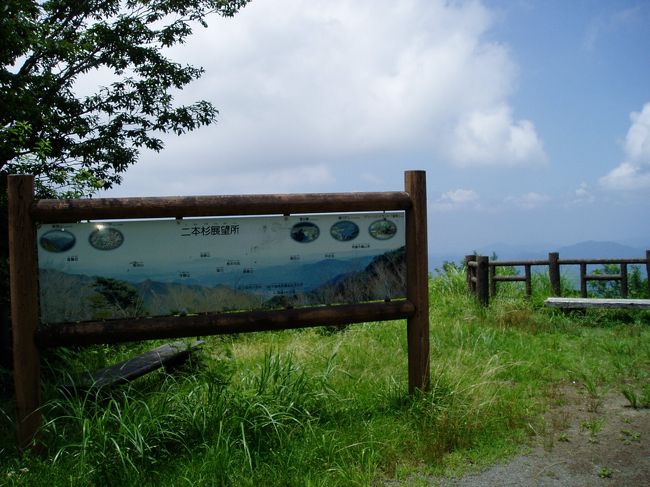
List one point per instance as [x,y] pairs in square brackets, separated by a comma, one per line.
[70,210]
[600,261]
[515,263]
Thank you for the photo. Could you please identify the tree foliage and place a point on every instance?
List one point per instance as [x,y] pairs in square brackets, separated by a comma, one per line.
[76,144]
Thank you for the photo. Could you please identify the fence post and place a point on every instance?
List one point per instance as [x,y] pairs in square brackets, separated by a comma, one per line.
[482,280]
[624,289]
[493,281]
[5,328]
[417,281]
[470,272]
[647,269]
[554,273]
[24,307]
[529,281]
[583,280]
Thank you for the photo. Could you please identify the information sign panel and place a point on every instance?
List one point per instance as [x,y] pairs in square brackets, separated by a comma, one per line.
[103,270]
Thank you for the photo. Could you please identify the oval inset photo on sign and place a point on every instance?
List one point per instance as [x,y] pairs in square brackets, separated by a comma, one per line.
[344,231]
[106,238]
[382,229]
[305,232]
[58,240]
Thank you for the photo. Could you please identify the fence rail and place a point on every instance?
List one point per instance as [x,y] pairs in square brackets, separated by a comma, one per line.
[482,277]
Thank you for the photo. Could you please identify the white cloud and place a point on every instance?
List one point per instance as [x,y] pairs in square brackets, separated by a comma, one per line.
[528,201]
[583,195]
[493,138]
[456,199]
[248,180]
[282,180]
[637,142]
[634,172]
[324,82]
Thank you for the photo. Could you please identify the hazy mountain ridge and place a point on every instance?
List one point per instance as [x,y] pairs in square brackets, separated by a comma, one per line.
[383,278]
[73,297]
[600,250]
[76,297]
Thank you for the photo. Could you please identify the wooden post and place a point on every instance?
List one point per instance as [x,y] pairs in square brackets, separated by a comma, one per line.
[624,288]
[647,269]
[554,273]
[529,279]
[470,273]
[493,281]
[482,280]
[583,280]
[5,327]
[24,307]
[417,285]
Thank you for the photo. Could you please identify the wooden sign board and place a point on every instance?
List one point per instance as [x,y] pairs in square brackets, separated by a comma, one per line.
[229,261]
[129,269]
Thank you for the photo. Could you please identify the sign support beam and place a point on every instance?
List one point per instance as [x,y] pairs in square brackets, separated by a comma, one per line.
[24,307]
[417,281]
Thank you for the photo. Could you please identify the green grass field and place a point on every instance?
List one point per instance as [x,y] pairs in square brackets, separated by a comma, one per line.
[324,407]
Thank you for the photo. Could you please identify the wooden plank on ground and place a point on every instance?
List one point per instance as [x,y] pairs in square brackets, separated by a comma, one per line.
[580,303]
[168,355]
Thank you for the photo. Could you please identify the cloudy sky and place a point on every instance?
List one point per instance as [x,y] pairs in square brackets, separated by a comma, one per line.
[531,117]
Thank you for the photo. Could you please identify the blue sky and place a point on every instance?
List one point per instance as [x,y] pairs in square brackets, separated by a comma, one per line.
[531,118]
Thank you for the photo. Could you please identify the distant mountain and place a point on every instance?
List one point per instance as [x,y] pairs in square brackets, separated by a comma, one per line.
[501,250]
[314,274]
[161,298]
[383,278]
[505,251]
[71,297]
[599,250]
[637,242]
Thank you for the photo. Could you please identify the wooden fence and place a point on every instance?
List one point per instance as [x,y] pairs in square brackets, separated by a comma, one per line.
[482,277]
[25,213]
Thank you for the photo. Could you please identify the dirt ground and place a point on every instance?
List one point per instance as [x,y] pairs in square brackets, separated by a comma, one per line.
[589,440]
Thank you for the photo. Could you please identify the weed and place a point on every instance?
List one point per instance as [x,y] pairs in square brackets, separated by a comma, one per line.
[595,399]
[593,426]
[638,400]
[629,436]
[605,473]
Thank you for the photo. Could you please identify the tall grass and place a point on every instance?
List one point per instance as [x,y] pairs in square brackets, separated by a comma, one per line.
[320,408]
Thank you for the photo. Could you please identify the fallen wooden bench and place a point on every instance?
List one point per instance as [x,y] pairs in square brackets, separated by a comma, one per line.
[582,303]
[168,356]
